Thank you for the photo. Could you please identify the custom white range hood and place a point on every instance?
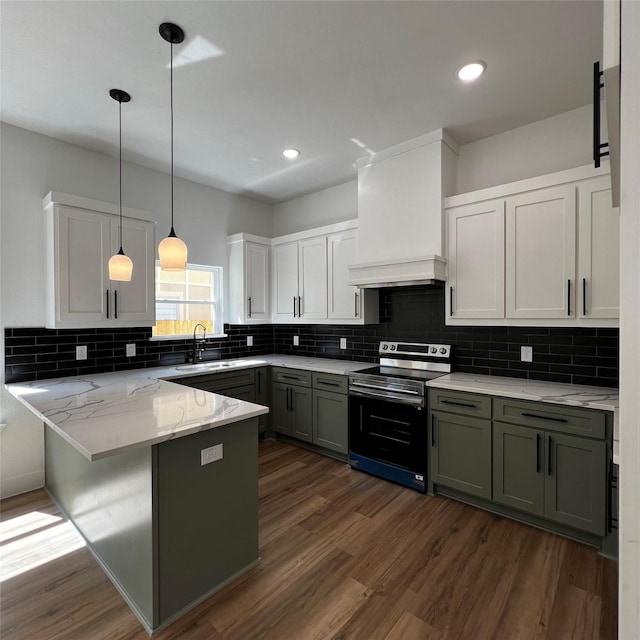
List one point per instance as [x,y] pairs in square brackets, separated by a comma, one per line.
[400,212]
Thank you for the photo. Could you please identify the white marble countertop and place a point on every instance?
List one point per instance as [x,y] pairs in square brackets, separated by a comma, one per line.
[575,395]
[108,413]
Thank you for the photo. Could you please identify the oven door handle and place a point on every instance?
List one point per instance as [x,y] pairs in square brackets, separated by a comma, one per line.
[418,403]
[367,386]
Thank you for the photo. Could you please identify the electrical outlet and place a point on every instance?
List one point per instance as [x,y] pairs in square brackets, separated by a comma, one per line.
[249,341]
[130,350]
[296,341]
[81,352]
[343,343]
[526,354]
[211,454]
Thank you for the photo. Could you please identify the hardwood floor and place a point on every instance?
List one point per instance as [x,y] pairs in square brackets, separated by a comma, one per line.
[344,556]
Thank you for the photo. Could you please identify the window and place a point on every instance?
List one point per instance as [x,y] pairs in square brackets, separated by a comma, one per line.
[184,298]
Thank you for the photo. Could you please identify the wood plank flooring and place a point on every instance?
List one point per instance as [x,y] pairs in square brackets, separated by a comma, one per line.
[344,556]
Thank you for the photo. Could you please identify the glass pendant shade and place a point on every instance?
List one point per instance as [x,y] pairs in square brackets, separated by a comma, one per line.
[173,254]
[120,267]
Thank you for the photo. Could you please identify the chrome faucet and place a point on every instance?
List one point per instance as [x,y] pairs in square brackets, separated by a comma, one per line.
[198,344]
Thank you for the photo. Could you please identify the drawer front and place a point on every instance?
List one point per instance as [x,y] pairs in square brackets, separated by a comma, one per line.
[217,381]
[292,376]
[246,393]
[460,402]
[552,417]
[331,382]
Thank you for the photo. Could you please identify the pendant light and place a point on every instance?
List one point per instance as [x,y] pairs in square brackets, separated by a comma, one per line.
[120,265]
[172,251]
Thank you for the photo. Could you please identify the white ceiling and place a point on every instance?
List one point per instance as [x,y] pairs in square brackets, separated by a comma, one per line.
[307,74]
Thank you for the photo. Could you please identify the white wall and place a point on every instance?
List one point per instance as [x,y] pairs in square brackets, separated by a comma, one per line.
[629,561]
[335,204]
[32,165]
[561,142]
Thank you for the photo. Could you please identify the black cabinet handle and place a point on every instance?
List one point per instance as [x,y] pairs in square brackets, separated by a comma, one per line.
[433,431]
[539,417]
[115,300]
[460,404]
[538,436]
[299,307]
[290,389]
[287,398]
[107,294]
[599,149]
[259,378]
[356,302]
[549,450]
[568,297]
[294,306]
[450,301]
[584,296]
[249,306]
[328,384]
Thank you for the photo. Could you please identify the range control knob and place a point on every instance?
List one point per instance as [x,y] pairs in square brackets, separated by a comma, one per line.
[385,347]
[443,350]
[433,349]
[393,347]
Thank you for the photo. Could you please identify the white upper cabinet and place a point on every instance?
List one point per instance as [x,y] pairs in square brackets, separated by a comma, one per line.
[80,242]
[249,279]
[542,251]
[285,281]
[599,252]
[312,279]
[347,303]
[540,254]
[476,261]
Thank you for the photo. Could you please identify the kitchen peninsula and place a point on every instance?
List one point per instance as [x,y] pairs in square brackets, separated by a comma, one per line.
[125,462]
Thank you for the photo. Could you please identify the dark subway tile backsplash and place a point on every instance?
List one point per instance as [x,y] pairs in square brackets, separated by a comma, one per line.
[37,354]
[409,314]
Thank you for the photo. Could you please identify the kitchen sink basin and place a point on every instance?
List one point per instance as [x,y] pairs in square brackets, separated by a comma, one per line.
[207,366]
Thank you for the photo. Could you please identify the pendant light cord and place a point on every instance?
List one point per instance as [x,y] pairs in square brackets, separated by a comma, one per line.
[171,65]
[120,127]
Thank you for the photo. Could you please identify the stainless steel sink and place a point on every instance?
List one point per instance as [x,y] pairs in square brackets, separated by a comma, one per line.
[207,366]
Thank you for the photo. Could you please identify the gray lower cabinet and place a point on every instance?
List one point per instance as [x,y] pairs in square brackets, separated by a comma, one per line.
[312,407]
[330,420]
[461,453]
[557,476]
[291,409]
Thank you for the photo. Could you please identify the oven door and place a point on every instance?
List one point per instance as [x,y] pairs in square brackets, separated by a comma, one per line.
[392,431]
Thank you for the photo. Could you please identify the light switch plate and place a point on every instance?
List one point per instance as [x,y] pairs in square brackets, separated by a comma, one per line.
[130,350]
[343,343]
[211,454]
[526,354]
[296,341]
[81,352]
[249,341]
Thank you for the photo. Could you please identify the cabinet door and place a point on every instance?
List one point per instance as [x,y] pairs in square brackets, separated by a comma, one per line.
[134,302]
[576,482]
[330,420]
[476,261]
[540,254]
[285,281]
[461,453]
[313,279]
[598,251]
[257,281]
[81,255]
[518,467]
[300,410]
[280,415]
[246,393]
[344,301]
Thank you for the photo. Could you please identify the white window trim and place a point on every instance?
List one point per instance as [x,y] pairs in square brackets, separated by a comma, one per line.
[219,304]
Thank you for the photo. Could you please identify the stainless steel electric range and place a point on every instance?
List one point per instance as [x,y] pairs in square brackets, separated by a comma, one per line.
[388,411]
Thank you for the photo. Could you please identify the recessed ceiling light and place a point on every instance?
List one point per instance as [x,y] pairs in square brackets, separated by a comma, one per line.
[290,153]
[472,71]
